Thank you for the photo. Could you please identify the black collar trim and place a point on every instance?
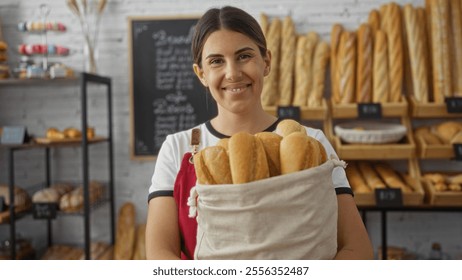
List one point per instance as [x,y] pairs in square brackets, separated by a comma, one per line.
[214,132]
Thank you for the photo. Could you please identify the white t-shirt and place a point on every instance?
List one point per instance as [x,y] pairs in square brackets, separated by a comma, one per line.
[177,144]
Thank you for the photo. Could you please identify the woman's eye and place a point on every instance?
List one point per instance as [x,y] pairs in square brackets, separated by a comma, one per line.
[215,61]
[244,56]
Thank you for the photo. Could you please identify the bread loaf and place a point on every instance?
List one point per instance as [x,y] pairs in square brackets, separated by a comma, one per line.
[440,16]
[52,194]
[346,61]
[125,234]
[391,178]
[270,92]
[447,130]
[380,80]
[395,52]
[54,133]
[73,201]
[417,57]
[247,158]
[336,32]
[21,197]
[298,152]
[304,68]
[212,166]
[364,65]
[271,142]
[287,126]
[287,62]
[370,176]
[320,61]
[356,180]
[140,244]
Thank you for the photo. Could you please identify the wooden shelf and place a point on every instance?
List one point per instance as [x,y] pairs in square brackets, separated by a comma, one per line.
[430,110]
[44,143]
[345,111]
[306,113]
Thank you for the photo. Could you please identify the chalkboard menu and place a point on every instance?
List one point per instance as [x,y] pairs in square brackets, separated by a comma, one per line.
[166,95]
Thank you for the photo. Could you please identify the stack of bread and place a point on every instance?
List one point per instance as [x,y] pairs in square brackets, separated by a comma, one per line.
[68,133]
[364,177]
[298,65]
[73,201]
[442,182]
[52,194]
[245,157]
[443,133]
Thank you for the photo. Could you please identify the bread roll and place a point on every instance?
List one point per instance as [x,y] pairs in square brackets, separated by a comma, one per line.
[287,62]
[447,130]
[346,63]
[298,152]
[417,56]
[440,20]
[54,133]
[391,178]
[454,187]
[435,177]
[320,61]
[212,166]
[457,139]
[336,32]
[270,92]
[364,65]
[427,136]
[370,176]
[247,158]
[271,142]
[72,133]
[125,234]
[381,86]
[287,126]
[356,180]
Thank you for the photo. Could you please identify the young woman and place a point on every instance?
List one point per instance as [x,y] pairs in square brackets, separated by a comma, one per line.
[231,61]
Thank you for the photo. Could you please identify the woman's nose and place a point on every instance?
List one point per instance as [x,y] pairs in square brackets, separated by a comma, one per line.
[233,71]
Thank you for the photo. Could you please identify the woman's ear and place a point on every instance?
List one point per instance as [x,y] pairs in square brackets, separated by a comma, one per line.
[267,60]
[200,74]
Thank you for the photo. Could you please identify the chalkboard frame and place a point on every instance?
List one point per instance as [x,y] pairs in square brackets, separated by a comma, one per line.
[131,21]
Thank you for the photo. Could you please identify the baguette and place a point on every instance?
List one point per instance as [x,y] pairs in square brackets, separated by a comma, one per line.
[364,65]
[336,32]
[271,142]
[140,244]
[391,178]
[427,136]
[346,61]
[264,23]
[288,126]
[417,56]
[395,52]
[456,35]
[320,61]
[380,69]
[370,176]
[286,74]
[270,92]
[125,234]
[374,21]
[356,180]
[304,69]
[212,166]
[247,158]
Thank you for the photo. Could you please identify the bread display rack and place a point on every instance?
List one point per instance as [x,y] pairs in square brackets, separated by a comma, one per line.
[83,80]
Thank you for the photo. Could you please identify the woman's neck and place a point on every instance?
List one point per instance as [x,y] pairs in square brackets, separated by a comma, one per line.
[229,124]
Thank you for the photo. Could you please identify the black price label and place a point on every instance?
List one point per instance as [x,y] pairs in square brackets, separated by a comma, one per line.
[44,210]
[289,112]
[2,204]
[457,151]
[390,197]
[454,104]
[369,110]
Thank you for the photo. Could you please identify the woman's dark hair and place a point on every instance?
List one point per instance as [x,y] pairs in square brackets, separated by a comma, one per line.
[229,18]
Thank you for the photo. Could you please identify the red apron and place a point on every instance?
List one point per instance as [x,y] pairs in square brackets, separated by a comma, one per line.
[185,180]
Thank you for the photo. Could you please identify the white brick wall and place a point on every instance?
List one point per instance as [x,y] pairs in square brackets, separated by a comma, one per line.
[41,107]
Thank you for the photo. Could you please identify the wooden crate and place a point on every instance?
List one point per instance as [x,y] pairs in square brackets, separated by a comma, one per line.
[392,109]
[442,151]
[306,113]
[409,199]
[447,198]
[430,110]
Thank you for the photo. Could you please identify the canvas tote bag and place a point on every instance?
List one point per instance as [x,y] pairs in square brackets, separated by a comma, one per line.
[289,217]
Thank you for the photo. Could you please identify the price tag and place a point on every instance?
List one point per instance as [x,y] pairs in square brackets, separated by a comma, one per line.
[2,204]
[389,197]
[454,104]
[457,151]
[14,135]
[44,210]
[289,112]
[369,110]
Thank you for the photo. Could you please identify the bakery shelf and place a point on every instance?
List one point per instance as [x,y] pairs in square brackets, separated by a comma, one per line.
[392,109]
[430,110]
[306,113]
[425,151]
[441,198]
[43,143]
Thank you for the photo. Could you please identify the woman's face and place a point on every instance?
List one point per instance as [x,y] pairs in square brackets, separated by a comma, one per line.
[233,69]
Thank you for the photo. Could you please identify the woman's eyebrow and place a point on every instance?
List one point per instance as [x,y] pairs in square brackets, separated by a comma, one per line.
[236,52]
